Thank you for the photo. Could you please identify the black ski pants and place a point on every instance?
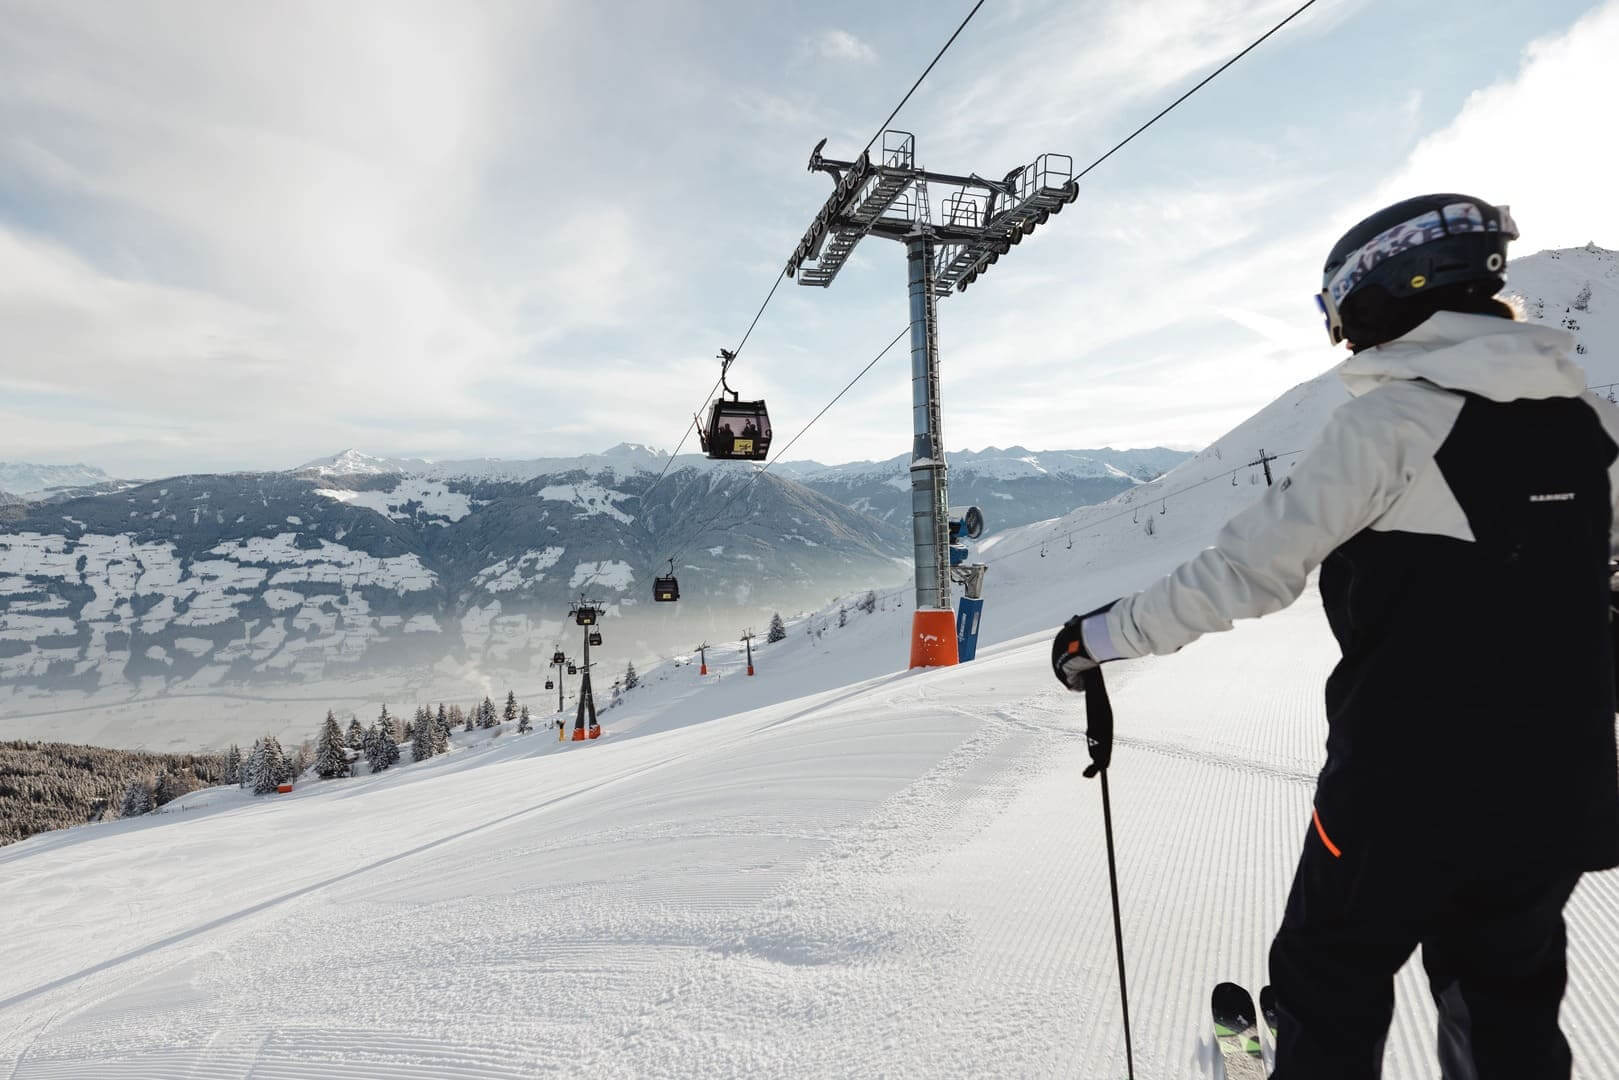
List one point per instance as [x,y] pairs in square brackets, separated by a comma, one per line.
[1493,943]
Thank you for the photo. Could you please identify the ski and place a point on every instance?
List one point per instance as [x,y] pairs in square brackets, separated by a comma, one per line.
[1267,1010]
[1236,1032]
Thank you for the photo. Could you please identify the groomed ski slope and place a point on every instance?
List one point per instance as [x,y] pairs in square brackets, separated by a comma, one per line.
[899,878]
[832,869]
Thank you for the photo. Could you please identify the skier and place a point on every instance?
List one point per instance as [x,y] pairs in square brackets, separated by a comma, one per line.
[1461,508]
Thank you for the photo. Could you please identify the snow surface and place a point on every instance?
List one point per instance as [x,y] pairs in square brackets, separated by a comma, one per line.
[515,573]
[437,503]
[22,478]
[116,568]
[854,881]
[589,499]
[606,574]
[834,868]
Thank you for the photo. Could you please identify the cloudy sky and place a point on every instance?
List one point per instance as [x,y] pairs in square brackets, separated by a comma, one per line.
[237,235]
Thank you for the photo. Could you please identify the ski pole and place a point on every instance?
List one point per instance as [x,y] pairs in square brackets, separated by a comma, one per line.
[1099,737]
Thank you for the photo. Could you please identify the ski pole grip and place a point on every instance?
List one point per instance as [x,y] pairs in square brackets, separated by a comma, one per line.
[1098,722]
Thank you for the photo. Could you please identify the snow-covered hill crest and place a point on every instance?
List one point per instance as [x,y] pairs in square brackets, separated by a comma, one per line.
[34,481]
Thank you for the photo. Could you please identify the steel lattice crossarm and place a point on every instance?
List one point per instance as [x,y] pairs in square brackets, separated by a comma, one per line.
[1032,194]
[982,220]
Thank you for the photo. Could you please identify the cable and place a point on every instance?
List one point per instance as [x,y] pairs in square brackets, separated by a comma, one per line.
[736,352]
[778,454]
[1002,556]
[1082,173]
[781,276]
[683,437]
[838,395]
[884,125]
[869,143]
[1195,89]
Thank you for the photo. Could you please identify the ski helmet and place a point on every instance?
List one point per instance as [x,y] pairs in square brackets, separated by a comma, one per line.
[1409,249]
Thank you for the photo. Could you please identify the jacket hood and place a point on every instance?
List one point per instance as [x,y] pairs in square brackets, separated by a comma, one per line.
[1480,354]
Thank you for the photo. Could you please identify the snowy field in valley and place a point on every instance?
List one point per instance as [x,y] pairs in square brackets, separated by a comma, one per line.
[835,868]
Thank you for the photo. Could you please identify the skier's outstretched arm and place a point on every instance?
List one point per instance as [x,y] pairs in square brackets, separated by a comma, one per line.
[1261,558]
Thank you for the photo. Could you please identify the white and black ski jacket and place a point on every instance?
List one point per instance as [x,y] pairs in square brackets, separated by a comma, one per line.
[1461,508]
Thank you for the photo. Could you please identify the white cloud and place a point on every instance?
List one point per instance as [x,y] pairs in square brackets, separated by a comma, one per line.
[1091,63]
[234,236]
[266,224]
[1542,141]
[842,45]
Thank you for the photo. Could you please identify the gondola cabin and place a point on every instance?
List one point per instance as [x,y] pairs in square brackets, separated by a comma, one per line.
[558,659]
[549,685]
[595,637]
[736,431]
[584,615]
[665,589]
[573,669]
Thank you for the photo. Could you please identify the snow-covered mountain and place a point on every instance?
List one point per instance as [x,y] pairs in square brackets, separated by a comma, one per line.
[356,561]
[34,481]
[832,868]
[1014,486]
[200,581]
[625,459]
[339,567]
[12,506]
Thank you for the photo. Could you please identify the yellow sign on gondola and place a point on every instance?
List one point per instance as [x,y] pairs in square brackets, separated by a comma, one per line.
[742,446]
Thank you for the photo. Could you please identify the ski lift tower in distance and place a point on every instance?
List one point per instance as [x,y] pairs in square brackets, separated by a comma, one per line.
[981,220]
[585,614]
[559,662]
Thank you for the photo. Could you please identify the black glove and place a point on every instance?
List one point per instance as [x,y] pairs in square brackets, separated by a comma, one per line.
[1070,660]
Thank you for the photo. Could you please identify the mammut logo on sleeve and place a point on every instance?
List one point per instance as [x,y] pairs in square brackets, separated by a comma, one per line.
[1553,496]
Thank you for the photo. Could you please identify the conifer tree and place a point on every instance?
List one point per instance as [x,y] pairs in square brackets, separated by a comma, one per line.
[384,720]
[523,725]
[255,762]
[472,718]
[868,603]
[267,766]
[233,765]
[843,616]
[421,743]
[331,755]
[487,714]
[383,750]
[442,720]
[777,631]
[631,679]
[510,712]
[171,785]
[137,799]
[356,736]
[299,761]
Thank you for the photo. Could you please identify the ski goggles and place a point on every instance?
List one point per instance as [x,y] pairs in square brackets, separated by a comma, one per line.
[1455,219]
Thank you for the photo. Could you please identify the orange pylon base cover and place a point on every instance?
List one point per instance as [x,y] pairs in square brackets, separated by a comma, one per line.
[595,732]
[933,638]
[578,734]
